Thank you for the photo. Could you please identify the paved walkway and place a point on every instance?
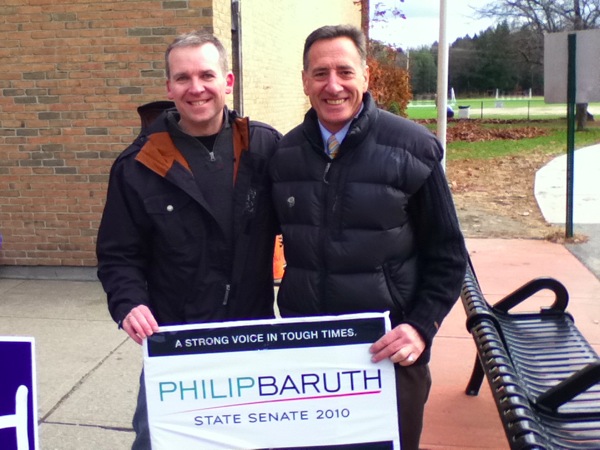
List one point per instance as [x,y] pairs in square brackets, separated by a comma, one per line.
[551,187]
[551,194]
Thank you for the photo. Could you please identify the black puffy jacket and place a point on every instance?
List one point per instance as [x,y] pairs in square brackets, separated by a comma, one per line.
[362,233]
[160,245]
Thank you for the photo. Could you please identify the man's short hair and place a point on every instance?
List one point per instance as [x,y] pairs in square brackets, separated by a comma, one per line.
[336,31]
[197,39]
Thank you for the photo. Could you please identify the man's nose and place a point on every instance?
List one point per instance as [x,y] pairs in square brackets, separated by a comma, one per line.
[333,84]
[197,85]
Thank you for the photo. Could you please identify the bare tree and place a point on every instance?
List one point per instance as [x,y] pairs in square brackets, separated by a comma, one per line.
[381,12]
[365,8]
[547,16]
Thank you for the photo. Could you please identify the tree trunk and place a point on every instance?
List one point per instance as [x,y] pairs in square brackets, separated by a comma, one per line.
[365,9]
[581,116]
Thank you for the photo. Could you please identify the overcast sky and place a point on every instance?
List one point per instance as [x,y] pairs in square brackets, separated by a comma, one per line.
[422,24]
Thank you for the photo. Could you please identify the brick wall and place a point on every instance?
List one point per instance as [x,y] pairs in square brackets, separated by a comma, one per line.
[73,74]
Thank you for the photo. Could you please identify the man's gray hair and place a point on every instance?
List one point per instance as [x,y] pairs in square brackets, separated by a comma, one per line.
[336,31]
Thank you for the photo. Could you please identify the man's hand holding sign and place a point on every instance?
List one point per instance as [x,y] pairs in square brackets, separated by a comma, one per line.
[403,345]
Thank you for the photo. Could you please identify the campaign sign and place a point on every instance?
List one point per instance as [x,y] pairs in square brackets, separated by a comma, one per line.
[303,383]
[18,394]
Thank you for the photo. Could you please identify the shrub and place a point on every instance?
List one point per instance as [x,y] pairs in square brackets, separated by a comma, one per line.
[389,85]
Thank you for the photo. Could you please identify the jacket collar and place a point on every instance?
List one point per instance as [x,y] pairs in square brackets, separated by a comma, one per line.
[159,153]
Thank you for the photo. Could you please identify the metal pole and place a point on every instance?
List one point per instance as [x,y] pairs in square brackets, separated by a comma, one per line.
[571,100]
[442,81]
[236,50]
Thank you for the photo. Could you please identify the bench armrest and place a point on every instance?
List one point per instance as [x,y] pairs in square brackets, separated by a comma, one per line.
[561,295]
[569,388]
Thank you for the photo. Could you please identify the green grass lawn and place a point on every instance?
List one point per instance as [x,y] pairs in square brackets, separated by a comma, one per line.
[529,113]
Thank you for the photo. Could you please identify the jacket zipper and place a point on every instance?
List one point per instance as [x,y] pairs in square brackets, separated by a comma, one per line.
[226,297]
[323,239]
[327,167]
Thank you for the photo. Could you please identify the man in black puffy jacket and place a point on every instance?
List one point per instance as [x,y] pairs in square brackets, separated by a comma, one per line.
[367,218]
[188,230]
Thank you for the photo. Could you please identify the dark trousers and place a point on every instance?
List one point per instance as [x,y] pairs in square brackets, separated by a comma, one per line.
[140,420]
[413,384]
[412,389]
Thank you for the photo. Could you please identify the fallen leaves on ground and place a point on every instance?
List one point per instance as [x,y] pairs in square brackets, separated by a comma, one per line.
[470,131]
[495,197]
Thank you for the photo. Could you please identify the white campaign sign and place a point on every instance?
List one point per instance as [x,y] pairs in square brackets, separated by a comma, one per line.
[285,383]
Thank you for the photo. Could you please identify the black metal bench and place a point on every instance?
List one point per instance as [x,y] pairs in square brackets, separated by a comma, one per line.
[543,374]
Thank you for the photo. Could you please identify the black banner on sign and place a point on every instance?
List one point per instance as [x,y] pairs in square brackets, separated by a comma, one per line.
[387,445]
[266,337]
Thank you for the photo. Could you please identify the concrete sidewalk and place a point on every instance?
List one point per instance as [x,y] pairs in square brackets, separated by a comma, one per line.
[551,187]
[88,370]
[551,194]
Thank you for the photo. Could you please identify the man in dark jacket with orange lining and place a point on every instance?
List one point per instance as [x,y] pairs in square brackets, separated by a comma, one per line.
[188,229]
[367,218]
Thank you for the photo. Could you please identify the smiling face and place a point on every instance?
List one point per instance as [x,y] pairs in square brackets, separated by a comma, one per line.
[198,87]
[335,81]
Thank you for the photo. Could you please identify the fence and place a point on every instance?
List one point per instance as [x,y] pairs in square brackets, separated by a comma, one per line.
[500,108]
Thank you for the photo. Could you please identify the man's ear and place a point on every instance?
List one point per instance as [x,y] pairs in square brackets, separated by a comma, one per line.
[366,74]
[229,82]
[169,94]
